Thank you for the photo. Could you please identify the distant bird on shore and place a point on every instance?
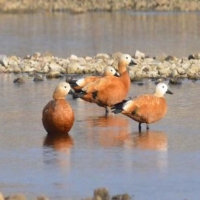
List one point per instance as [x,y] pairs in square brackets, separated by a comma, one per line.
[147,108]
[110,90]
[57,115]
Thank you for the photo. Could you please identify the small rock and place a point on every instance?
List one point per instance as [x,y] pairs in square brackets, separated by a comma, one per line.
[38,78]
[42,197]
[181,71]
[19,80]
[139,55]
[55,67]
[54,74]
[121,197]
[73,57]
[27,69]
[4,60]
[3,69]
[191,57]
[101,194]
[16,69]
[45,69]
[170,58]
[197,56]
[88,58]
[1,196]
[16,197]
[102,56]
[175,81]
[73,68]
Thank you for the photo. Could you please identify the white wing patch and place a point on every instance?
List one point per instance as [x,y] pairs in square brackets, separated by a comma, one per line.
[80,82]
[127,105]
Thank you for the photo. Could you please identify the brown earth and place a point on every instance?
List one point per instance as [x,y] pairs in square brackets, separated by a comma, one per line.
[80,6]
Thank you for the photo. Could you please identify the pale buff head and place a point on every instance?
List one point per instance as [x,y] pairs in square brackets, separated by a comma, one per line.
[124,62]
[109,71]
[161,89]
[61,90]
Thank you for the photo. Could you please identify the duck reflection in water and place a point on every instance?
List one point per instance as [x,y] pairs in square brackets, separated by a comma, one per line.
[57,151]
[108,131]
[59,142]
[151,140]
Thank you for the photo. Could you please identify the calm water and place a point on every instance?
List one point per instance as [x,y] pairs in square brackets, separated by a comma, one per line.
[100,152]
[91,33]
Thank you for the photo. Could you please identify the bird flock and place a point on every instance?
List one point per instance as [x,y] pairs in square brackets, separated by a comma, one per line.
[108,91]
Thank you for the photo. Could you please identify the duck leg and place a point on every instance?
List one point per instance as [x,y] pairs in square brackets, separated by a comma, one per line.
[139,127]
[107,111]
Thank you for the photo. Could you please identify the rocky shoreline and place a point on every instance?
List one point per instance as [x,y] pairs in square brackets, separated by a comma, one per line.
[98,194]
[40,66]
[77,6]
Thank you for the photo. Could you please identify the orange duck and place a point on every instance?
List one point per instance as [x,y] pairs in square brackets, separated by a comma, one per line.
[148,108]
[57,115]
[110,90]
[77,85]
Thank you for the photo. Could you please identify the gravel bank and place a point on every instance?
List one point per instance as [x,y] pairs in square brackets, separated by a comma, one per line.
[77,6]
[40,66]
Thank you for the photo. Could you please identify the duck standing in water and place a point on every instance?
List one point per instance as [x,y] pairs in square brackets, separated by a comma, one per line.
[77,85]
[57,115]
[110,90]
[148,108]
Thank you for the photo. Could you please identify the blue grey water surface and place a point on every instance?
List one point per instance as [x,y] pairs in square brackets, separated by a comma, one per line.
[99,152]
[63,34]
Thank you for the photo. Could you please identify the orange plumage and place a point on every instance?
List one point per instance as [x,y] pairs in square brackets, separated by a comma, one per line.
[147,108]
[57,115]
[78,84]
[110,90]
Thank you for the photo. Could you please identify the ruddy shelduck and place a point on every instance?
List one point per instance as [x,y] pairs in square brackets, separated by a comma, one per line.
[57,115]
[110,90]
[148,108]
[78,84]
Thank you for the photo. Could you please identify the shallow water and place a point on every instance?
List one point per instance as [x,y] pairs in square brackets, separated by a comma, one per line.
[63,34]
[99,152]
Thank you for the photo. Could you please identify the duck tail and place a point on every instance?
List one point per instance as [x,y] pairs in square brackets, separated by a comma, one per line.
[118,107]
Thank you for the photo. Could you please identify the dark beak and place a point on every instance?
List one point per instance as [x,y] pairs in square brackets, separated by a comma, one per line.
[132,63]
[169,92]
[72,92]
[117,74]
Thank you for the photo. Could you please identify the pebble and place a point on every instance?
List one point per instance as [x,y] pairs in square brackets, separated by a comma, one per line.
[38,77]
[1,196]
[4,60]
[19,80]
[16,197]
